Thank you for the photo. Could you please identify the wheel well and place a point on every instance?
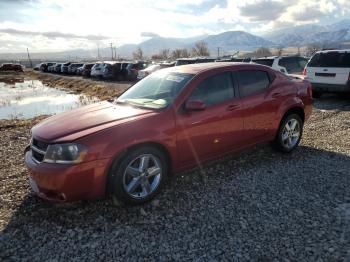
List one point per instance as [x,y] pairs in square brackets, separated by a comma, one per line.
[123,154]
[150,144]
[296,110]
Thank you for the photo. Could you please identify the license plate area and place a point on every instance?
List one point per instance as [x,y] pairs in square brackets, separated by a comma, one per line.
[325,74]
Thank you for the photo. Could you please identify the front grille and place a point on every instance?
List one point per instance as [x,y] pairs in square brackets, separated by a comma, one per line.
[40,144]
[37,156]
[38,149]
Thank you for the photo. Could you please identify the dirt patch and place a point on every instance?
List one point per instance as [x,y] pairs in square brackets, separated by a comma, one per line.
[101,89]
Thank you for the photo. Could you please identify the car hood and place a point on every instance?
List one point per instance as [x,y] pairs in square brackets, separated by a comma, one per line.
[86,120]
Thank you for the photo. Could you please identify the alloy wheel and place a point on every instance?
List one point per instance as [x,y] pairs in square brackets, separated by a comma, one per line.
[142,176]
[291,133]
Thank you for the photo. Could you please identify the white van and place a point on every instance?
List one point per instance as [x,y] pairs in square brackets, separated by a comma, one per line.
[329,72]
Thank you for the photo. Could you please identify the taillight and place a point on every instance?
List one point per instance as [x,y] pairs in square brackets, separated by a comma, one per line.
[304,72]
[349,77]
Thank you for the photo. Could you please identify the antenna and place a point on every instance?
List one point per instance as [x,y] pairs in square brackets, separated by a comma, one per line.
[30,60]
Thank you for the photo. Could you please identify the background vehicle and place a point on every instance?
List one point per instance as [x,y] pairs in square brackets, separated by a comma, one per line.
[132,70]
[329,72]
[12,67]
[72,68]
[171,120]
[44,66]
[115,71]
[51,68]
[234,59]
[57,68]
[284,64]
[36,67]
[153,68]
[147,71]
[97,70]
[86,69]
[64,67]
[194,60]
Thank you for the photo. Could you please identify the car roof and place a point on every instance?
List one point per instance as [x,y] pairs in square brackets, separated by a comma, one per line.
[336,50]
[202,67]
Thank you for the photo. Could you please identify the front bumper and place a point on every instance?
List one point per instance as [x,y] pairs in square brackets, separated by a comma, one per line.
[57,182]
[329,88]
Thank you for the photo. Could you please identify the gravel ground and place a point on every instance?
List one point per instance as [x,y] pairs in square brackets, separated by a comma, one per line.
[258,205]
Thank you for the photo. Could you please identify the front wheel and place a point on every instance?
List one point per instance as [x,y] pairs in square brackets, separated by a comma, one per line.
[139,176]
[289,133]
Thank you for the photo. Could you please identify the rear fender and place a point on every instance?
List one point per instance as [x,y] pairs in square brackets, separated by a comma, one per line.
[287,105]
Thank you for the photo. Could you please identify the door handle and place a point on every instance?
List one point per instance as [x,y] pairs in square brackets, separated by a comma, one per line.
[275,95]
[232,107]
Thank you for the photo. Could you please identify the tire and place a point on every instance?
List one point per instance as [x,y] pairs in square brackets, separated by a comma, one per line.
[316,94]
[131,187]
[287,140]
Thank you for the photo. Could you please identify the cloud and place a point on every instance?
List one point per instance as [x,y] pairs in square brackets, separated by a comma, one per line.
[52,34]
[149,34]
[264,10]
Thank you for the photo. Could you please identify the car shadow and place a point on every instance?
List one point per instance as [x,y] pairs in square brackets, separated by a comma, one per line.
[247,183]
[333,102]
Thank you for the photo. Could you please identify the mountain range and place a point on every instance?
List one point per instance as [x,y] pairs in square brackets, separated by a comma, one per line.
[227,42]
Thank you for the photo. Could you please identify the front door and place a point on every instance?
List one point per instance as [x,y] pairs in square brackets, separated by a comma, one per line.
[214,130]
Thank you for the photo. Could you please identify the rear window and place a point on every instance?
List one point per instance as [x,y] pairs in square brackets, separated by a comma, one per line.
[267,62]
[330,59]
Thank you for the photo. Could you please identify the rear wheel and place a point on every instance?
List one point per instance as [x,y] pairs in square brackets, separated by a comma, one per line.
[139,176]
[289,133]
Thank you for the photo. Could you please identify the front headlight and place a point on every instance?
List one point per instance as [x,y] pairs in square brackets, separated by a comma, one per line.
[65,153]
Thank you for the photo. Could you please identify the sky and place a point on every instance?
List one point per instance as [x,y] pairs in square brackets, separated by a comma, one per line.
[57,25]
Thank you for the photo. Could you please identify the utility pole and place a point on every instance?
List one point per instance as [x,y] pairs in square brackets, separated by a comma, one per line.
[98,51]
[112,50]
[218,52]
[30,60]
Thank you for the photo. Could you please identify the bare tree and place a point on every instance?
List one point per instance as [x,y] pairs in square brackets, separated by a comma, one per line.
[262,52]
[200,49]
[311,49]
[164,53]
[179,53]
[279,50]
[138,54]
[156,57]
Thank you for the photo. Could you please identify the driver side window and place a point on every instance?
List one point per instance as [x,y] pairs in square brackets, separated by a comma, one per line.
[214,90]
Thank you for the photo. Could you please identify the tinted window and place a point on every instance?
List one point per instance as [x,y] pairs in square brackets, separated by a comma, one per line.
[302,61]
[252,81]
[267,62]
[215,89]
[291,64]
[330,59]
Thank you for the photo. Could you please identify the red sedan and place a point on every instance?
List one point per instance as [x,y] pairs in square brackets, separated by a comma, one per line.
[171,120]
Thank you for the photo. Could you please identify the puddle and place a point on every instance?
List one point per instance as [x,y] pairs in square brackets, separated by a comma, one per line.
[29,98]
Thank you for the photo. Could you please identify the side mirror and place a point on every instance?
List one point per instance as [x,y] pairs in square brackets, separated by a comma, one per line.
[195,105]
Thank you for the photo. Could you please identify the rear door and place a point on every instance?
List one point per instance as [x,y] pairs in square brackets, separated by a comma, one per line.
[260,97]
[329,68]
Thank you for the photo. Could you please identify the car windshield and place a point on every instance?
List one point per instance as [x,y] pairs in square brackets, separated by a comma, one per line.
[156,91]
